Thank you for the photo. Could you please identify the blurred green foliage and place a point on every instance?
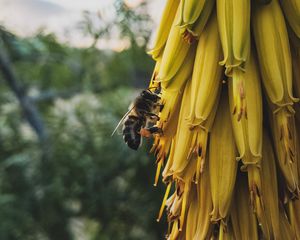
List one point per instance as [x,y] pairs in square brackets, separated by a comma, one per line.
[79,183]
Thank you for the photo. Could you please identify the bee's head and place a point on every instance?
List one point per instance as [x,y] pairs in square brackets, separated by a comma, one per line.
[147,94]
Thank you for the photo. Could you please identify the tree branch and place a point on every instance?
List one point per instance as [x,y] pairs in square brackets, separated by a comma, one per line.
[29,109]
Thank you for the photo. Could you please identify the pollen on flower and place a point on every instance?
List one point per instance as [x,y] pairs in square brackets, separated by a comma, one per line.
[189,37]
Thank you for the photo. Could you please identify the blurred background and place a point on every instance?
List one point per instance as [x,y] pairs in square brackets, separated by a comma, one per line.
[68,71]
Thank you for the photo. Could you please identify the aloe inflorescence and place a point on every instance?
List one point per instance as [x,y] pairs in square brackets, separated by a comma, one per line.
[229,73]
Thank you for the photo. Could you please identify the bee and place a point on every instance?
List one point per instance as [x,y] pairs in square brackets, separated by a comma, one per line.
[141,118]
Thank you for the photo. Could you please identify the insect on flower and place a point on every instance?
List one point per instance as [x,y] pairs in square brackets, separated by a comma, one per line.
[141,118]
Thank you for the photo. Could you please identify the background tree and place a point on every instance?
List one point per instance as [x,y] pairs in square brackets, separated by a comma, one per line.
[61,174]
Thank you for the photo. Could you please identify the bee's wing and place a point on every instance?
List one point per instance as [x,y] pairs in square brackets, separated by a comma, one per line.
[141,143]
[122,120]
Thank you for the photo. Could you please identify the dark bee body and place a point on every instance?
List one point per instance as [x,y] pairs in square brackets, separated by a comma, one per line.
[131,131]
[143,112]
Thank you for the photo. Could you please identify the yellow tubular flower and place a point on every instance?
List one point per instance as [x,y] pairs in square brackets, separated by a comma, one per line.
[256,198]
[248,136]
[205,87]
[248,132]
[284,137]
[153,82]
[194,15]
[164,28]
[175,232]
[206,81]
[174,206]
[178,157]
[234,27]
[190,11]
[242,217]
[176,48]
[222,163]
[171,99]
[291,11]
[273,48]
[269,189]
[274,55]
[184,73]
[185,179]
[192,214]
[204,225]
[183,171]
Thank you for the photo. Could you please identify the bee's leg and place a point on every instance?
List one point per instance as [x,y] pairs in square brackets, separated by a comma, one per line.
[148,132]
[159,106]
[158,89]
[155,129]
[152,116]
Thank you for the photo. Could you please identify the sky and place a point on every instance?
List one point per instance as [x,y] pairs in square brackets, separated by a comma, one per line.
[25,17]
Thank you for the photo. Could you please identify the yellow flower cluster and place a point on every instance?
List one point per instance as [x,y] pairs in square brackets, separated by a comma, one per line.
[229,73]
